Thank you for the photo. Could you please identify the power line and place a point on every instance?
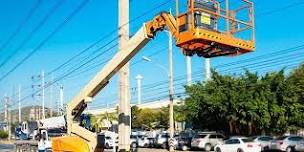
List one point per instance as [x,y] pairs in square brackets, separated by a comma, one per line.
[98,64]
[21,25]
[179,85]
[82,52]
[41,44]
[29,37]
[106,36]
[284,8]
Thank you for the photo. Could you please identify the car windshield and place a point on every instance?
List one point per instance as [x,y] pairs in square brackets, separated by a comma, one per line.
[200,136]
[246,140]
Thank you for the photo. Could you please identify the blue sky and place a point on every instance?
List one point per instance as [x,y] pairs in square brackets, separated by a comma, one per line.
[278,26]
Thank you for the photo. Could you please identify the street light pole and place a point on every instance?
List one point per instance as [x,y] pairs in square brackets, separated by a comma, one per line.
[139,78]
[170,75]
[207,69]
[189,70]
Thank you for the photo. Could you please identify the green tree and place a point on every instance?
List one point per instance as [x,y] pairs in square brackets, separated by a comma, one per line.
[248,104]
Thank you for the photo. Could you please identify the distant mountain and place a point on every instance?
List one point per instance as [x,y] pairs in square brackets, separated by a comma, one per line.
[25,114]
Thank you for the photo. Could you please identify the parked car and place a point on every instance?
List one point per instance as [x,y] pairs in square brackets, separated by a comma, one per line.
[111,139]
[300,146]
[286,143]
[162,140]
[264,141]
[145,142]
[134,140]
[110,142]
[206,140]
[238,144]
[184,140]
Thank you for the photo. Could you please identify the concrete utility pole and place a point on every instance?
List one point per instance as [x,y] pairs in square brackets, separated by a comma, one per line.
[171,119]
[42,94]
[51,97]
[189,70]
[139,79]
[207,69]
[9,122]
[124,127]
[171,85]
[61,100]
[5,109]
[19,104]
[8,119]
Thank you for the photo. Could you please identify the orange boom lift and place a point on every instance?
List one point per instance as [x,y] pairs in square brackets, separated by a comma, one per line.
[208,29]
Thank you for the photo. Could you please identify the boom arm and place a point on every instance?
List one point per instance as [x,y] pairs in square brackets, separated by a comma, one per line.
[79,102]
[190,35]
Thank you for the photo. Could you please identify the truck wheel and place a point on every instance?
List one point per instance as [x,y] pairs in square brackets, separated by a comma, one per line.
[207,147]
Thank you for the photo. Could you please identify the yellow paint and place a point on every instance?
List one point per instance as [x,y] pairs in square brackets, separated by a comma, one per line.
[69,144]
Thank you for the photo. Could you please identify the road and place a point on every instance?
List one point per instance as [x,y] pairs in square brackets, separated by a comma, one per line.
[10,148]
[6,148]
[151,150]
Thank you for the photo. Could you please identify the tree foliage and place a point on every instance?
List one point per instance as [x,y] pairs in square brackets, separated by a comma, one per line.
[156,118]
[248,104]
[3,135]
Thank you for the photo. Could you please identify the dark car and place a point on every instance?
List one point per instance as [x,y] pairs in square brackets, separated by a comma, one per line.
[184,140]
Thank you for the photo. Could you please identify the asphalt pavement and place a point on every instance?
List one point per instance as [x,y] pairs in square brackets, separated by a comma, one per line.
[6,148]
[151,150]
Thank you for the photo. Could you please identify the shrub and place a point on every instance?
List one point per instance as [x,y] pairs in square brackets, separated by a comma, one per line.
[3,135]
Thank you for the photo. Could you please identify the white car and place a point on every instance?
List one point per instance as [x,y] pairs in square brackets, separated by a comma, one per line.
[110,142]
[145,142]
[238,144]
[287,143]
[300,146]
[111,139]
[264,141]
[206,140]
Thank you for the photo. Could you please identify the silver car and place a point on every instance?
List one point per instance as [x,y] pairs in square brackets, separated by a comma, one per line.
[286,143]
[264,141]
[300,146]
[206,140]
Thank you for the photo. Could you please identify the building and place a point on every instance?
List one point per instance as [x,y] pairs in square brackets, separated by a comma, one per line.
[151,105]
